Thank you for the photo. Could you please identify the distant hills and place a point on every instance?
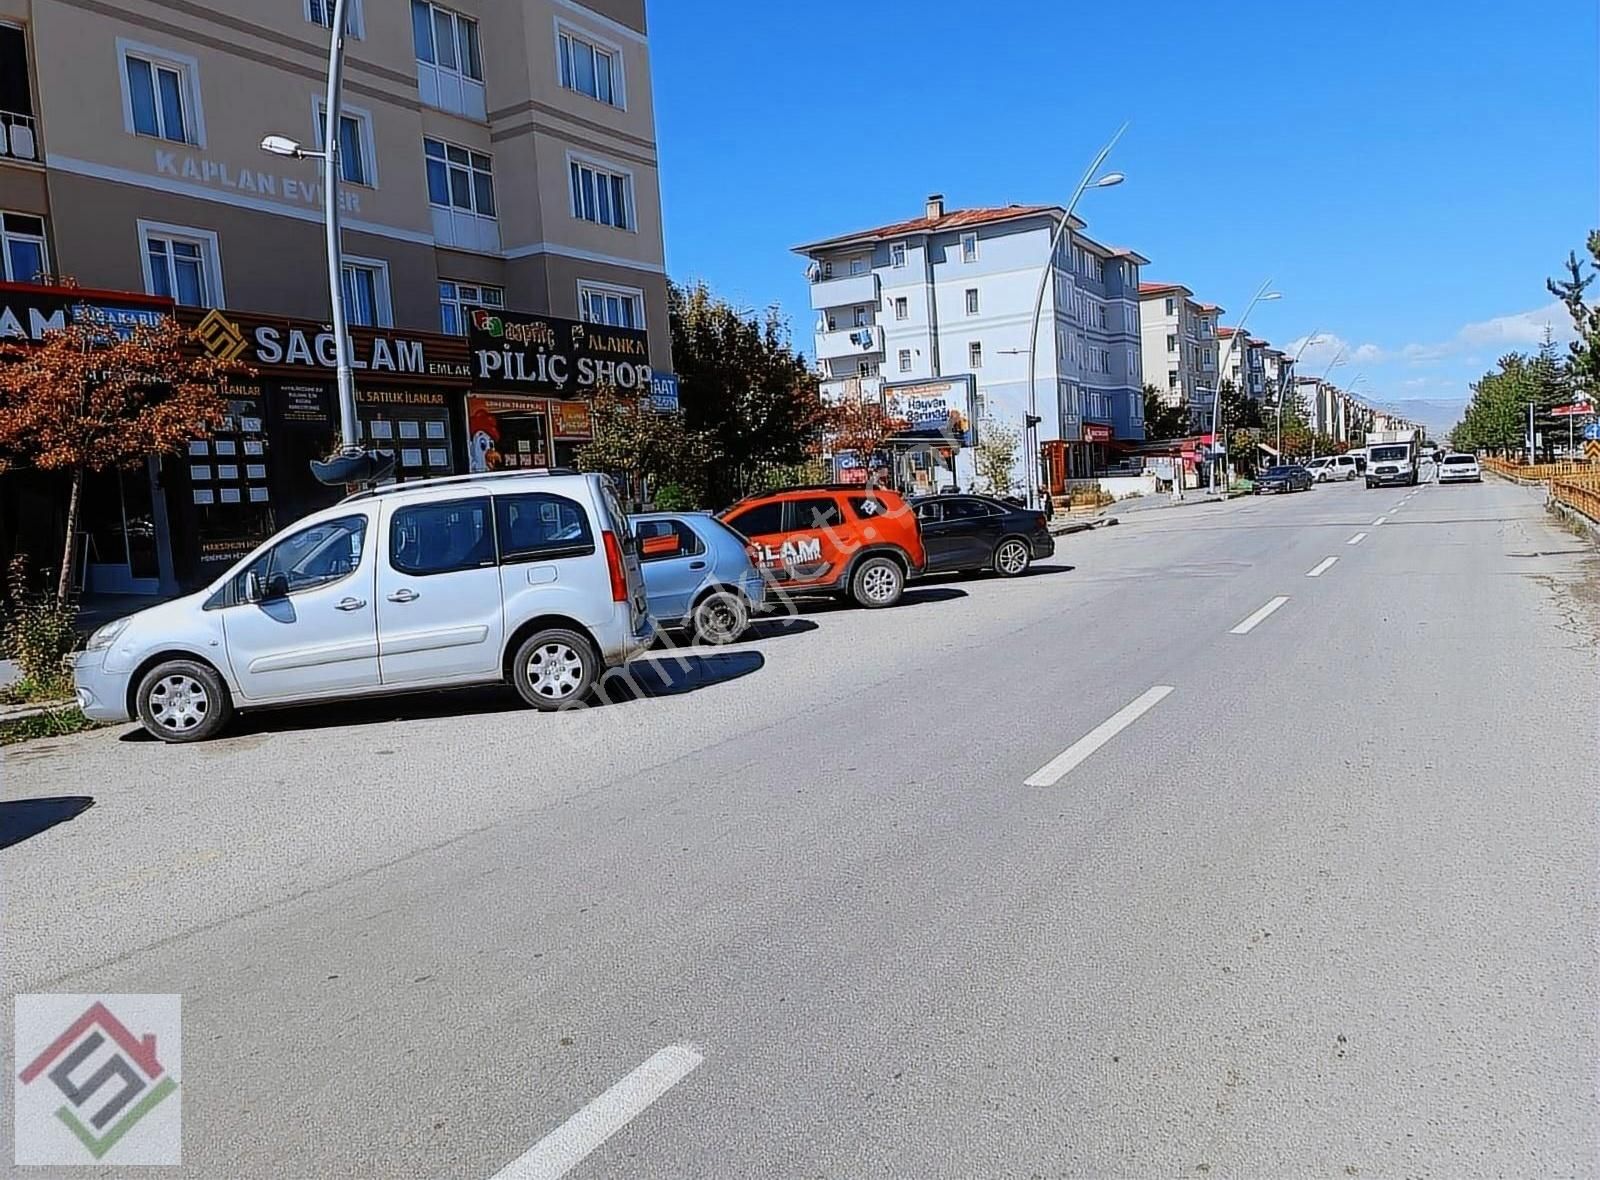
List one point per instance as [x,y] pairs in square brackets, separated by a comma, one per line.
[1438,416]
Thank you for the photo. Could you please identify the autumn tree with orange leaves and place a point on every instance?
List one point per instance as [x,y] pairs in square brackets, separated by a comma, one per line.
[90,399]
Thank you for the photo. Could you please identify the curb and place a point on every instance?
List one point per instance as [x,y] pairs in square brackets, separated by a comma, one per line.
[1573,517]
[23,712]
[1081,526]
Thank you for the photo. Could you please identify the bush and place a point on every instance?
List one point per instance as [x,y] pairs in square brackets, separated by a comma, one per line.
[672,497]
[37,632]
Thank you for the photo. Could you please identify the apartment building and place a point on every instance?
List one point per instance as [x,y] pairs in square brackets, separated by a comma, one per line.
[932,317]
[1179,344]
[493,155]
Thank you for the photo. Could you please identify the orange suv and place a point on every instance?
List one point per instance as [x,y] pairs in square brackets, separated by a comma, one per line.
[832,539]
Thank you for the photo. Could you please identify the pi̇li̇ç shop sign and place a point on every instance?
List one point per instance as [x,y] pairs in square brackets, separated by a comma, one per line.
[565,358]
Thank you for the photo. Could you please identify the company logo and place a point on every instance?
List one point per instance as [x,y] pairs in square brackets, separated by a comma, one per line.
[93,1088]
[486,321]
[220,336]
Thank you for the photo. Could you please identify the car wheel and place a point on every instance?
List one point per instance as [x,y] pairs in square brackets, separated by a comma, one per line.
[721,617]
[877,582]
[554,668]
[1370,485]
[1012,557]
[183,701]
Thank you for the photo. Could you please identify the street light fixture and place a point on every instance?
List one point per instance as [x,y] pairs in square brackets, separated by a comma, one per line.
[1031,422]
[1283,382]
[349,463]
[1218,447]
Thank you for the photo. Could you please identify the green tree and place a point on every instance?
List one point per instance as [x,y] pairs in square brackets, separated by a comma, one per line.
[637,442]
[743,387]
[1584,352]
[995,456]
[1161,419]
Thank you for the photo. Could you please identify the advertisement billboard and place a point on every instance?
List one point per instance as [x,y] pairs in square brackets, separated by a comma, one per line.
[938,407]
[545,354]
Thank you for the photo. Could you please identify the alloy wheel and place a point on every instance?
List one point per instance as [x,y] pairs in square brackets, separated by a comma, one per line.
[879,583]
[1012,558]
[179,702]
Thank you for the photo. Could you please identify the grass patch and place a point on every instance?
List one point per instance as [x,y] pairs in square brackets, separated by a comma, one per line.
[37,690]
[57,723]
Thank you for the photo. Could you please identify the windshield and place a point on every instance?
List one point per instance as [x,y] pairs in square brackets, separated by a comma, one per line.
[1279,472]
[1390,454]
[1453,460]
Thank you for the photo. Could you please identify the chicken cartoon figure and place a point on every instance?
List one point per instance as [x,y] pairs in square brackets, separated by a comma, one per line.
[483,445]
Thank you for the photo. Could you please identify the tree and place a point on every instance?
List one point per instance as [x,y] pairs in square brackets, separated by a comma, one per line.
[1584,352]
[1161,419]
[995,456]
[743,387]
[87,398]
[858,425]
[638,442]
[1496,418]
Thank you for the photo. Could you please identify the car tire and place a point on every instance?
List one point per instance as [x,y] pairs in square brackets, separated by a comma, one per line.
[877,582]
[1370,485]
[1012,557]
[720,617]
[554,668]
[183,701]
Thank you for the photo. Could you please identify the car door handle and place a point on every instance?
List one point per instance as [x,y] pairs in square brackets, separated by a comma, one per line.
[697,565]
[351,604]
[404,596]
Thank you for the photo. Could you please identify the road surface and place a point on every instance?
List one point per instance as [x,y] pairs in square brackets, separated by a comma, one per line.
[1255,839]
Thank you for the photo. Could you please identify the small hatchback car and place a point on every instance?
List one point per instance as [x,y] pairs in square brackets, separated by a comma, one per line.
[521,577]
[698,575]
[832,539]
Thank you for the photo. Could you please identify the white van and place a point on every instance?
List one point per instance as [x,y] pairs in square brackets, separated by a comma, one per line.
[522,577]
[1330,467]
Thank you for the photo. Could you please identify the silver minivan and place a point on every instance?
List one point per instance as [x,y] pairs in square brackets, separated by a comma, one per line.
[519,576]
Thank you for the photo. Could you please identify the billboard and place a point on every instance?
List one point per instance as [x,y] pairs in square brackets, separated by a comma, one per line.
[937,407]
[544,354]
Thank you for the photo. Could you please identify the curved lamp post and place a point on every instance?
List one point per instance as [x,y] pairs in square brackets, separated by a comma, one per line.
[1283,384]
[349,463]
[1338,359]
[1261,295]
[1031,422]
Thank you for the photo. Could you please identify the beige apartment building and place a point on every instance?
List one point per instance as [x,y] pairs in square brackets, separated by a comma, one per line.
[1178,336]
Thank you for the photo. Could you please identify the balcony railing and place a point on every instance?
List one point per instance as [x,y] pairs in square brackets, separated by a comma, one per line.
[866,340]
[18,140]
[852,388]
[844,291]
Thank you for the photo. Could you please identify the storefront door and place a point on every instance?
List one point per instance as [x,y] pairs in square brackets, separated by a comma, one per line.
[117,534]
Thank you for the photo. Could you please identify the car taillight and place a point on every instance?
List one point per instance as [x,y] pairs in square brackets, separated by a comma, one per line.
[1044,521]
[619,575]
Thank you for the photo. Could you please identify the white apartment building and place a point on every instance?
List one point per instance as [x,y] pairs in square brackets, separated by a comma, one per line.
[1179,344]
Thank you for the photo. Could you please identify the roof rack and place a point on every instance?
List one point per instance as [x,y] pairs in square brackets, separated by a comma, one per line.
[413,485]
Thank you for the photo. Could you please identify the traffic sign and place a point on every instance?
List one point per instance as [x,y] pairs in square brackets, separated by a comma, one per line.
[1592,431]
[1591,451]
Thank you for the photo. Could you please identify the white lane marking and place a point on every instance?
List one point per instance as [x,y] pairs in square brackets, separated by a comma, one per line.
[1357,539]
[1379,521]
[1259,617]
[1051,772]
[571,1143]
[1321,567]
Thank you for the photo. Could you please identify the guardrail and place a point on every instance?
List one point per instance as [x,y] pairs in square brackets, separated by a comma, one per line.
[1580,492]
[1537,472]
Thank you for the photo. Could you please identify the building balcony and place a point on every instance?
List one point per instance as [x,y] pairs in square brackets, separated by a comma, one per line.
[848,291]
[864,341]
[18,140]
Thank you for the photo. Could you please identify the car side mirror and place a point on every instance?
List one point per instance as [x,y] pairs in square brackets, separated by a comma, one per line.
[265,590]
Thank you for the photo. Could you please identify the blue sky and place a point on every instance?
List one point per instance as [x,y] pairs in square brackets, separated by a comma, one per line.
[1407,172]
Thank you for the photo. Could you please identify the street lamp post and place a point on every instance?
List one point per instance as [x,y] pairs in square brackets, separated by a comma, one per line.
[349,463]
[1338,359]
[1283,383]
[1222,367]
[1031,422]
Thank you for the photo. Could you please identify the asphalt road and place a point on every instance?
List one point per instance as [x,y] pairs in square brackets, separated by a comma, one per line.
[1327,906]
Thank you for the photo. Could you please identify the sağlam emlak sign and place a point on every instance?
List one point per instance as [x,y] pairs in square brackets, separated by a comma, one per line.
[941,407]
[544,354]
[280,346]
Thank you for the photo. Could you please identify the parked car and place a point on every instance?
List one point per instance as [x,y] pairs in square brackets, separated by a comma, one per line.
[1283,479]
[980,532]
[1321,468]
[838,539]
[698,575]
[517,576]
[1325,468]
[1460,468]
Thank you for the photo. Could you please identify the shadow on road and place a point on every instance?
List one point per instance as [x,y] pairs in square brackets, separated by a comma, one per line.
[918,594]
[670,675]
[22,819]
[768,628]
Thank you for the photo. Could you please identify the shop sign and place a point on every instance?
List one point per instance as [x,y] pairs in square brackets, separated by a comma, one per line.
[544,354]
[664,392]
[28,312]
[572,420]
[275,344]
[940,408]
[1096,432]
[507,432]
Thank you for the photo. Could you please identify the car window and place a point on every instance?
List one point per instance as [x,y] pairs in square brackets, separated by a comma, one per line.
[758,520]
[965,509]
[1456,459]
[817,512]
[309,558]
[661,540]
[866,507]
[928,512]
[542,525]
[442,538]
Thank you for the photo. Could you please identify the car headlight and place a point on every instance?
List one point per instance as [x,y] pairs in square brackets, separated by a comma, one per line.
[104,636]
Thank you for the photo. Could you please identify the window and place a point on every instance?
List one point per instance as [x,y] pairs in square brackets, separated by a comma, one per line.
[590,69]
[969,247]
[181,264]
[866,507]
[963,509]
[902,309]
[457,299]
[22,237]
[905,360]
[357,162]
[1172,306]
[972,301]
[1172,342]
[760,520]
[446,40]
[866,368]
[1172,378]
[428,539]
[662,540]
[160,94]
[818,512]
[312,557]
[366,293]
[861,317]
[897,255]
[605,198]
[320,12]
[459,178]
[618,307]
[975,355]
[858,266]
[540,526]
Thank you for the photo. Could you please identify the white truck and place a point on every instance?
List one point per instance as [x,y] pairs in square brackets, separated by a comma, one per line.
[1392,457]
